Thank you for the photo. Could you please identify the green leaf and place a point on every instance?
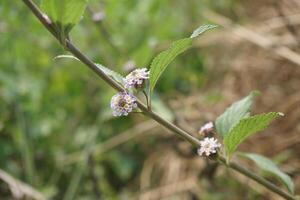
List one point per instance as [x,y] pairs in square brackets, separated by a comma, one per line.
[64,14]
[245,128]
[65,56]
[116,76]
[233,114]
[267,165]
[202,29]
[160,62]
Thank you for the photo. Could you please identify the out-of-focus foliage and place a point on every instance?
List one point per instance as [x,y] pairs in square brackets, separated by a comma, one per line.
[50,108]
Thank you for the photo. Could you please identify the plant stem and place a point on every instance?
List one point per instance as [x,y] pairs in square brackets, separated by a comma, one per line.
[194,141]
[147,100]
[258,179]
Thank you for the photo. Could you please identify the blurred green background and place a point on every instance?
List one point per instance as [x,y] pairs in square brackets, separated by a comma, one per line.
[55,118]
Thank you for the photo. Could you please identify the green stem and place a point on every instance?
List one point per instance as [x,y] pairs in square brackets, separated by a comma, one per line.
[194,141]
[257,178]
[147,100]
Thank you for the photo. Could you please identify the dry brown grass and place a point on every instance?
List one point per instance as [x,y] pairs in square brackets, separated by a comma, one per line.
[262,54]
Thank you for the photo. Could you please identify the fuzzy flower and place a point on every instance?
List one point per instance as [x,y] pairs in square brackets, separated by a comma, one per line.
[208,146]
[136,78]
[122,103]
[206,128]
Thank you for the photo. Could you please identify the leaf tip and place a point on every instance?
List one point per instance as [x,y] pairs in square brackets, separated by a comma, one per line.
[281,114]
[255,93]
[201,29]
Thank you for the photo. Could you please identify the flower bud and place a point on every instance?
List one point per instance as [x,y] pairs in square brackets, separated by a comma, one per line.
[136,78]
[206,129]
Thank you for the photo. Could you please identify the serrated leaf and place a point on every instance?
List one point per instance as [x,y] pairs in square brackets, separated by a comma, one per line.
[233,114]
[160,62]
[116,76]
[269,166]
[245,128]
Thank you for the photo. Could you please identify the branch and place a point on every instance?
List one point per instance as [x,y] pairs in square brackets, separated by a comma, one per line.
[183,134]
[19,189]
[77,53]
[258,179]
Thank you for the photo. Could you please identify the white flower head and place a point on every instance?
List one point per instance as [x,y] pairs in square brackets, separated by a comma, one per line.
[206,128]
[136,78]
[122,103]
[208,146]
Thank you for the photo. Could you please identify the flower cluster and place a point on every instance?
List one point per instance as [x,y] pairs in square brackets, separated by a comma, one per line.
[122,103]
[208,146]
[136,78]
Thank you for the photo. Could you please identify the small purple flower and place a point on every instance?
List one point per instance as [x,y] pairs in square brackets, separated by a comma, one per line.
[136,78]
[208,146]
[122,103]
[206,128]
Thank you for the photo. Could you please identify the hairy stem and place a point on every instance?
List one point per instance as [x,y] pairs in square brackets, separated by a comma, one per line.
[185,135]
